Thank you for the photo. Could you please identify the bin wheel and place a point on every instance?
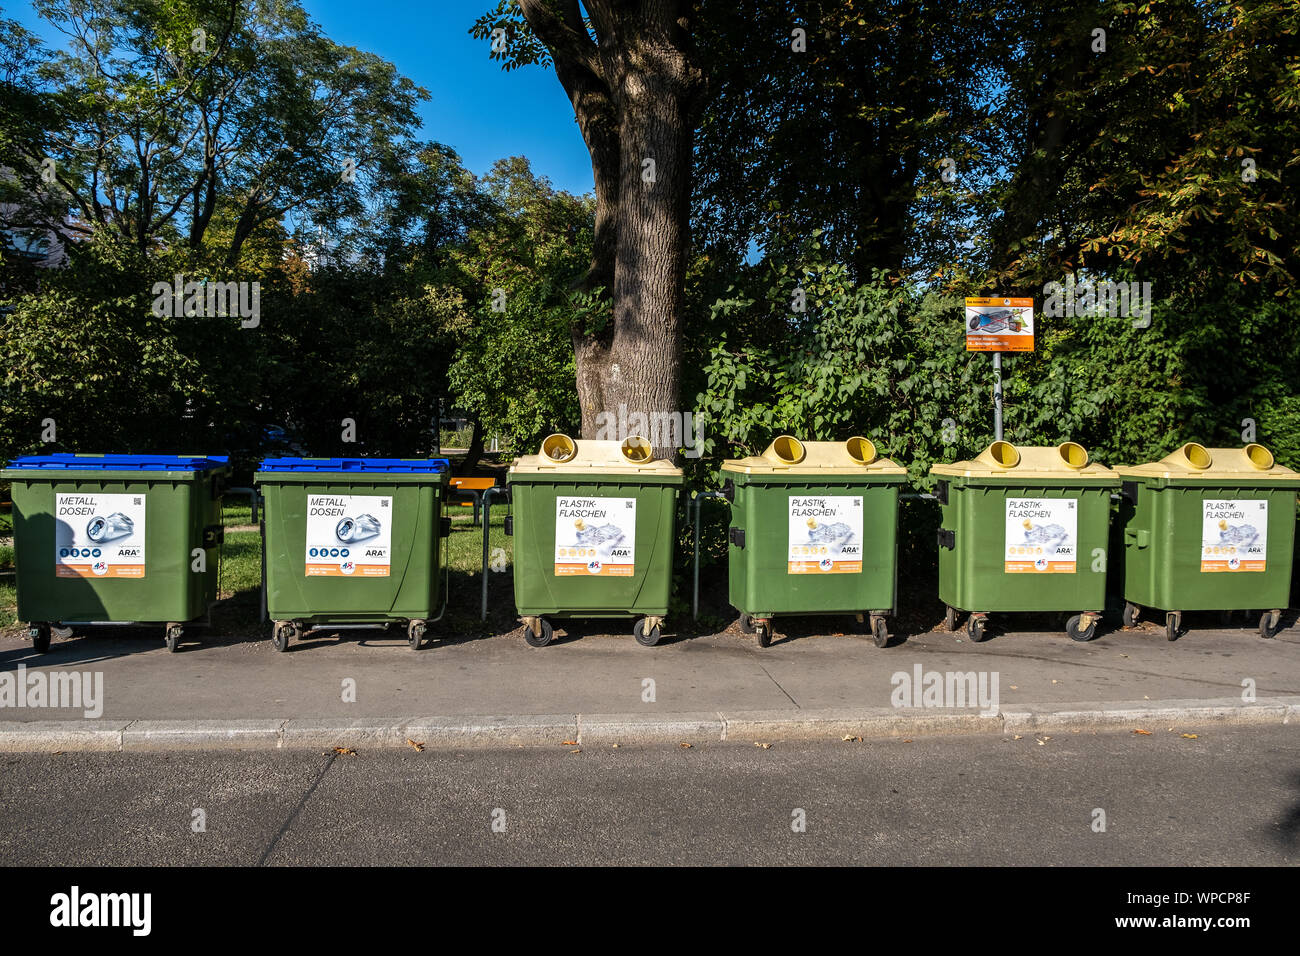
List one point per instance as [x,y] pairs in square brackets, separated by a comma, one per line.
[764,631]
[1173,625]
[173,637]
[415,634]
[644,637]
[975,628]
[1270,623]
[40,635]
[1077,633]
[1131,613]
[950,617]
[540,637]
[879,632]
[283,632]
[746,624]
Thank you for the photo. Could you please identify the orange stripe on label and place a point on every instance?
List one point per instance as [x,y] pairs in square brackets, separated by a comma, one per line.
[334,571]
[1027,567]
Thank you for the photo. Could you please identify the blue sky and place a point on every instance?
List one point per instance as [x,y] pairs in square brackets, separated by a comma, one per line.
[477,109]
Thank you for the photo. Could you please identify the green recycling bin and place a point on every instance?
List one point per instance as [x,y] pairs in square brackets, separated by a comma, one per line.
[814,530]
[594,534]
[352,541]
[1025,529]
[1209,529]
[102,539]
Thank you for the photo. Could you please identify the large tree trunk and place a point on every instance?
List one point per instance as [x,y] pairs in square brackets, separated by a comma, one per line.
[634,92]
[653,217]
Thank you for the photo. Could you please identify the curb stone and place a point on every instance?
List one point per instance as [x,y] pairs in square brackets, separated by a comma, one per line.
[554,730]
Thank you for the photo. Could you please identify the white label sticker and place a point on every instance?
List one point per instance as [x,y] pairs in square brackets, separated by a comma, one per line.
[595,536]
[825,535]
[1042,536]
[99,536]
[349,535]
[1234,535]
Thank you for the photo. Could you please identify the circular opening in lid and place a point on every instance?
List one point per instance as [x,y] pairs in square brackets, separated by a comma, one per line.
[1073,454]
[1259,456]
[637,450]
[861,450]
[789,449]
[558,447]
[1004,454]
[1196,455]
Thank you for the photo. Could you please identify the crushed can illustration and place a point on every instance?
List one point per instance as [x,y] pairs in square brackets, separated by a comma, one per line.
[360,528]
[111,528]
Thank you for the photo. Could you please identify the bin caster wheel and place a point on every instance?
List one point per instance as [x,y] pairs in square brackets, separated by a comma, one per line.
[1270,623]
[950,617]
[976,628]
[40,635]
[879,632]
[415,634]
[173,637]
[1173,625]
[1077,632]
[746,624]
[283,633]
[764,631]
[649,637]
[539,634]
[1131,613]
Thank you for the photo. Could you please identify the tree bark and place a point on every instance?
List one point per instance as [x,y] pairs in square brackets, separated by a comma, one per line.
[634,91]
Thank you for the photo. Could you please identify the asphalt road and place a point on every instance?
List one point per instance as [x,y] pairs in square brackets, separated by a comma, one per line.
[1225,796]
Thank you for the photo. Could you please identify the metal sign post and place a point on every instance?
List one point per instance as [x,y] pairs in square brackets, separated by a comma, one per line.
[996,324]
[997,395]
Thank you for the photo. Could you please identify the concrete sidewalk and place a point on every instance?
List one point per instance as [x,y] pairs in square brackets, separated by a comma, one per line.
[595,688]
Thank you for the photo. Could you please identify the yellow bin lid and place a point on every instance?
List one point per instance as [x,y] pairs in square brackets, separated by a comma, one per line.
[1253,462]
[788,455]
[1005,460]
[562,454]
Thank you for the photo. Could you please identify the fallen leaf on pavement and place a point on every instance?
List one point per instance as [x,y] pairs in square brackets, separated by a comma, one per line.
[1190,736]
[851,737]
[345,751]
[576,750]
[1144,733]
[1018,737]
[685,746]
[568,743]
[764,746]
[418,746]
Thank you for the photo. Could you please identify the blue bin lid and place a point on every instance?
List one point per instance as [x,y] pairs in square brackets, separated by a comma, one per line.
[392,466]
[74,462]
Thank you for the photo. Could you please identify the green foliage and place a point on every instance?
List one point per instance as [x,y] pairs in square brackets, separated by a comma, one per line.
[514,368]
[887,361]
